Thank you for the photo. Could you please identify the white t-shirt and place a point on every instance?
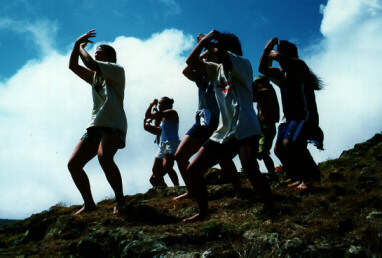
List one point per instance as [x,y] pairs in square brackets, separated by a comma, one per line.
[233,90]
[108,90]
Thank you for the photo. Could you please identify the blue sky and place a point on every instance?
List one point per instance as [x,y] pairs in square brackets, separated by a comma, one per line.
[45,108]
[62,21]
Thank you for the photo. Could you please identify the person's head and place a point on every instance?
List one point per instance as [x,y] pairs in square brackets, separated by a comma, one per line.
[290,49]
[165,103]
[260,82]
[229,42]
[287,48]
[106,53]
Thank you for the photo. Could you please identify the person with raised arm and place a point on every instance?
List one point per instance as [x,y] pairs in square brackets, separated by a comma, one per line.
[166,127]
[206,122]
[238,131]
[106,131]
[297,84]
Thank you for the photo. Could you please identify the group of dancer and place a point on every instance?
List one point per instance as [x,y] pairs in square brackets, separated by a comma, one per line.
[226,123]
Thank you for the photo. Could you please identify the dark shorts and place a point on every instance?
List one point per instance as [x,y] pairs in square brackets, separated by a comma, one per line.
[95,134]
[230,149]
[202,132]
[293,131]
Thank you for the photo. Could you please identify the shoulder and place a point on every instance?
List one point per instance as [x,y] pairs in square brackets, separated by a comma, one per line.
[170,114]
[110,67]
[238,60]
[212,69]
[239,63]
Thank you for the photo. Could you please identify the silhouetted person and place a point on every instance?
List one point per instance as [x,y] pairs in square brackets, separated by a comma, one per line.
[268,113]
[238,131]
[206,122]
[166,127]
[297,85]
[106,132]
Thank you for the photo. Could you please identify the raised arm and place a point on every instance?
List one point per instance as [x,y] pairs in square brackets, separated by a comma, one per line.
[264,66]
[293,65]
[189,73]
[194,61]
[151,128]
[78,50]
[152,109]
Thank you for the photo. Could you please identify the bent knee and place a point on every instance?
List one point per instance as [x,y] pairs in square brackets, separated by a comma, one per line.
[73,165]
[181,156]
[157,171]
[105,159]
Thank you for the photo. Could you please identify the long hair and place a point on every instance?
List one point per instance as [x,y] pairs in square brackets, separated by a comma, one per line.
[314,81]
[287,48]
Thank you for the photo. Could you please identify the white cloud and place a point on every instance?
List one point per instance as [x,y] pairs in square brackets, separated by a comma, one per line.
[41,32]
[349,62]
[45,109]
[343,16]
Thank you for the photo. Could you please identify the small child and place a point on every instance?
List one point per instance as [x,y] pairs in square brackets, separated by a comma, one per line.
[268,113]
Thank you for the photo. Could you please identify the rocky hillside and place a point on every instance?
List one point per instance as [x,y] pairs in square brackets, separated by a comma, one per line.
[6,221]
[339,216]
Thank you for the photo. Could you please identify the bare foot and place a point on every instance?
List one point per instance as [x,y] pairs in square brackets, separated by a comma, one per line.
[294,184]
[182,196]
[301,187]
[120,208]
[86,208]
[196,217]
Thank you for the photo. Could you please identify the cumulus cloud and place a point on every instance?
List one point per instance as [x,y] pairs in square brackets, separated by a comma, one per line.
[349,61]
[41,32]
[45,109]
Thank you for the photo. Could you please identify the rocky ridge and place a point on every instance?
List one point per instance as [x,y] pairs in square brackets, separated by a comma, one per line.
[339,216]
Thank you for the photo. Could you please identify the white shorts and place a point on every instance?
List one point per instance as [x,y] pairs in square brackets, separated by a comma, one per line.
[168,147]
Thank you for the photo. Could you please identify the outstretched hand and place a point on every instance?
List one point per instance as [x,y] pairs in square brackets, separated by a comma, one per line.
[85,39]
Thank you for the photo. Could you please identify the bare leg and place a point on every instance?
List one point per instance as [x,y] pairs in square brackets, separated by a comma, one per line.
[247,155]
[269,164]
[188,147]
[106,151]
[168,163]
[82,154]
[230,171]
[279,152]
[157,176]
[200,164]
